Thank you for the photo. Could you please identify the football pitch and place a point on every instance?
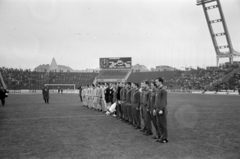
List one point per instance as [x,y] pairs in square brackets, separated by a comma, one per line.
[199,126]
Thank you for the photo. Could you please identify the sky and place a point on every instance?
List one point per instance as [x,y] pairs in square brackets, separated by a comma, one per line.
[79,32]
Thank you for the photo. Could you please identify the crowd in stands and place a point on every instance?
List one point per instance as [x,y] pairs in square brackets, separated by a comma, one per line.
[112,74]
[198,79]
[222,77]
[27,79]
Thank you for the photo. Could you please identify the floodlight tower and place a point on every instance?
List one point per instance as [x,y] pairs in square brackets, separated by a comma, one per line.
[229,51]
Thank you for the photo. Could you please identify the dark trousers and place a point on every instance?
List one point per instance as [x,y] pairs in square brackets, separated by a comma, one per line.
[124,110]
[137,118]
[148,120]
[144,118]
[119,114]
[129,113]
[133,112]
[81,98]
[141,111]
[3,101]
[46,100]
[162,124]
[154,121]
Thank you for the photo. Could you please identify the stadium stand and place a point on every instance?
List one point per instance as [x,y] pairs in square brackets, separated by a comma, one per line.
[234,81]
[26,79]
[201,79]
[167,75]
[212,78]
[112,74]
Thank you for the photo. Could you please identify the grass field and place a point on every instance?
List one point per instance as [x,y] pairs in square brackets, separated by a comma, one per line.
[200,126]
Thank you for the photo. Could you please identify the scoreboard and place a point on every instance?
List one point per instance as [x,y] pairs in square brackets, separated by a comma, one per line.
[116,63]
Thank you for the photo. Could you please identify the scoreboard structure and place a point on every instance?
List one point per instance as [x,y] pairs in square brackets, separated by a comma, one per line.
[115,63]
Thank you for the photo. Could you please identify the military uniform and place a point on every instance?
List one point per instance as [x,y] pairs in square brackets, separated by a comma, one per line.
[161,104]
[151,108]
[122,102]
[135,101]
[128,105]
[147,116]
[141,109]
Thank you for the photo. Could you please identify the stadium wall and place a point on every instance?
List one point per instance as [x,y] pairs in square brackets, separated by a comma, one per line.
[71,91]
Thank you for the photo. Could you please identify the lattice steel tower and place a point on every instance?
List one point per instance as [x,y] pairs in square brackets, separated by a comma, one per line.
[224,47]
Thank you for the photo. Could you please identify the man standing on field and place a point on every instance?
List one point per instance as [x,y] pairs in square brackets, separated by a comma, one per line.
[45,93]
[160,110]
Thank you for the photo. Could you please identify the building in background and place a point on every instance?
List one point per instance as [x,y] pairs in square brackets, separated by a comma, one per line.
[164,68]
[139,68]
[53,67]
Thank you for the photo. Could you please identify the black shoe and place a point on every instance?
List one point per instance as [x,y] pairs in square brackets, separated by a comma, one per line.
[162,141]
[143,130]
[138,127]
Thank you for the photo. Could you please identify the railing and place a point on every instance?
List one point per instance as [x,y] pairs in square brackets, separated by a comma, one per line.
[128,74]
[2,81]
[203,1]
[223,79]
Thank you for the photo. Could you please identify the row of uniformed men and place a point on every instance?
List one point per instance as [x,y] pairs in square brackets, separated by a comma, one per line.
[98,97]
[149,103]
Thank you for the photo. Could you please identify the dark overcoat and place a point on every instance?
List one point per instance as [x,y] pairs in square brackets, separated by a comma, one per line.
[45,93]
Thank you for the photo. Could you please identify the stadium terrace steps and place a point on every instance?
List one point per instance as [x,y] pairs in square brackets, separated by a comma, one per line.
[223,79]
[112,74]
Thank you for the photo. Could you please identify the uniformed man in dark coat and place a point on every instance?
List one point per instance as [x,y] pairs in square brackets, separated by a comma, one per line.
[128,103]
[135,101]
[141,106]
[45,93]
[147,116]
[3,95]
[160,110]
[151,107]
[123,100]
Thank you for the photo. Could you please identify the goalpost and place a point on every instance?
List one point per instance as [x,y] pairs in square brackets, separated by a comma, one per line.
[61,85]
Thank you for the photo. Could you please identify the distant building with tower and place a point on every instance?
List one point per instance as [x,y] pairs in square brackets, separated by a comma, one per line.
[53,67]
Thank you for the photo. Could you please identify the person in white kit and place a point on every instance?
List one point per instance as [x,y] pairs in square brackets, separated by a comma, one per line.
[103,102]
[84,96]
[98,98]
[90,96]
[94,94]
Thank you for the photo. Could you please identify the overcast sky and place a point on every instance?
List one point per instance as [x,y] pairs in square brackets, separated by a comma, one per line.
[79,32]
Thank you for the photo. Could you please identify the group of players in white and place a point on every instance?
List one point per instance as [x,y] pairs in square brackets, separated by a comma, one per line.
[132,104]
